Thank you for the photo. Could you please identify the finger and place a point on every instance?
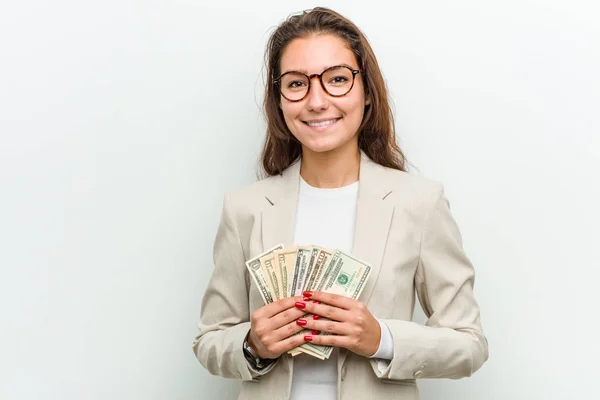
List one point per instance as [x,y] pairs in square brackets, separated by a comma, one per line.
[338,328]
[336,300]
[286,316]
[328,340]
[278,306]
[325,310]
[287,330]
[290,343]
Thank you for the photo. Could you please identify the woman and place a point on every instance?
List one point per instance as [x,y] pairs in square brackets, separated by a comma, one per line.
[337,178]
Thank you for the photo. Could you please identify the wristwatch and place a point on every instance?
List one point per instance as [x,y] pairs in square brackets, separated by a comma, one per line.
[255,361]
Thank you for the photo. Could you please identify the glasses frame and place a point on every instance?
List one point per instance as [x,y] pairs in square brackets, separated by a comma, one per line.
[320,76]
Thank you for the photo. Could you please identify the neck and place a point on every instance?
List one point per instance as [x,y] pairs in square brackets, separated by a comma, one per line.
[331,169]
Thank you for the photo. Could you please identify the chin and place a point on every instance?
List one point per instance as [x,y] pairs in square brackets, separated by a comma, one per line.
[321,151]
[323,147]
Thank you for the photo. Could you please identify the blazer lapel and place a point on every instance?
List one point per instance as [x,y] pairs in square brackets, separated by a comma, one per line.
[373,219]
[279,212]
[278,217]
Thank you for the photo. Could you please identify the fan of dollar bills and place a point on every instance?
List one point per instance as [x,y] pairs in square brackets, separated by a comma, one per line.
[283,272]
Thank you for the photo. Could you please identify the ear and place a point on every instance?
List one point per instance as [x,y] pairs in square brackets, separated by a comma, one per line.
[367,97]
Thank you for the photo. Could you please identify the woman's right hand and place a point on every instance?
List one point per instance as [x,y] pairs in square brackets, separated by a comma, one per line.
[273,327]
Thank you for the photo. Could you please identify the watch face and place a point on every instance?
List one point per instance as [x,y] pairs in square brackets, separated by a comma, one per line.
[254,361]
[249,349]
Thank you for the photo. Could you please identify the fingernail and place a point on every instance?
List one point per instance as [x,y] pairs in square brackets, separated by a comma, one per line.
[301,322]
[306,299]
[308,338]
[307,293]
[317,302]
[315,332]
[300,304]
[316,317]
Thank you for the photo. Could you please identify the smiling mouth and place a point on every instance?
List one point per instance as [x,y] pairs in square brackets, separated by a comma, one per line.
[322,124]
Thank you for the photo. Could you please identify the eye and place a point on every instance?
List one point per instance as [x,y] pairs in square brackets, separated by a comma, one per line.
[338,80]
[296,84]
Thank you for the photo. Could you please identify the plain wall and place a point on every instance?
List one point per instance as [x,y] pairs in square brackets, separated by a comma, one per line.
[123,122]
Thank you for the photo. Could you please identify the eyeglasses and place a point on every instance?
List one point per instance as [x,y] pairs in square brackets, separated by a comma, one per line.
[337,81]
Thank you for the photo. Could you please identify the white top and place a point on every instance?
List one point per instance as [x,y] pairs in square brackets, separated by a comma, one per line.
[326,217]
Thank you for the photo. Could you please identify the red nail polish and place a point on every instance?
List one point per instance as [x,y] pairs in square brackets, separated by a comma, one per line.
[316,317]
[306,299]
[300,304]
[308,338]
[301,322]
[315,332]
[307,293]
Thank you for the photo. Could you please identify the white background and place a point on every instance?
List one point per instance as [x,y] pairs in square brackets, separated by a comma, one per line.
[123,122]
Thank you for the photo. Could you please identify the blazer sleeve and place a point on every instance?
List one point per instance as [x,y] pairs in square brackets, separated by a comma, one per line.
[451,344]
[225,316]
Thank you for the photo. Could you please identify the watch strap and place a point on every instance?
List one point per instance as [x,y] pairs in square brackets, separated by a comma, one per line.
[250,354]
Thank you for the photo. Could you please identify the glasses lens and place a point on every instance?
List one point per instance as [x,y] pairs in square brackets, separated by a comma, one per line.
[294,86]
[338,81]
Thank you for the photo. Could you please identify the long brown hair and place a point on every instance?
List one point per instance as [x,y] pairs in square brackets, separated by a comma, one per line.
[377,137]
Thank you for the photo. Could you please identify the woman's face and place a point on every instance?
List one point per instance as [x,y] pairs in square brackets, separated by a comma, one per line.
[339,117]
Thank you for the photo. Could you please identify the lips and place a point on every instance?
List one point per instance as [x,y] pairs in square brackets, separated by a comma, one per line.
[322,123]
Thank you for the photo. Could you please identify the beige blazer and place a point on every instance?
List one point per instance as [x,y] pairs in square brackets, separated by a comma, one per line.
[405,230]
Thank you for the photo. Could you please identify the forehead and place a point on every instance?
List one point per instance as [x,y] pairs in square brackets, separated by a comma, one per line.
[313,54]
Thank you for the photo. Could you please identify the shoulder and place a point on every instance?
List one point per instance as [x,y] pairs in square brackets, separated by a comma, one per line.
[251,198]
[406,185]
[413,196]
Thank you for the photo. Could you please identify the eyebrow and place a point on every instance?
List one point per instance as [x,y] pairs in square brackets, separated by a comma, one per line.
[324,68]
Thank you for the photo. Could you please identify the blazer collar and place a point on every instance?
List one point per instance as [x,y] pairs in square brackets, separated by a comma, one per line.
[373,216]
[371,181]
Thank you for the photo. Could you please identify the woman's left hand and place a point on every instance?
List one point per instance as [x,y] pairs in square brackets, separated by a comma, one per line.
[351,323]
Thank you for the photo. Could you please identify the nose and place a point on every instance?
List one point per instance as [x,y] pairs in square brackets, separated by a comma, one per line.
[317,97]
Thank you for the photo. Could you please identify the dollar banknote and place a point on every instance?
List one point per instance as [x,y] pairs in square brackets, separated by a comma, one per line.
[299,350]
[314,251]
[318,268]
[299,276]
[271,271]
[286,260]
[257,272]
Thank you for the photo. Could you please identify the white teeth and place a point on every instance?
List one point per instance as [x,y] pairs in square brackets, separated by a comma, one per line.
[323,123]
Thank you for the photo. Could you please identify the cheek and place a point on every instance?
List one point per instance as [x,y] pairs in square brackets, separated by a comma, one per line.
[290,112]
[354,104]
[355,111]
